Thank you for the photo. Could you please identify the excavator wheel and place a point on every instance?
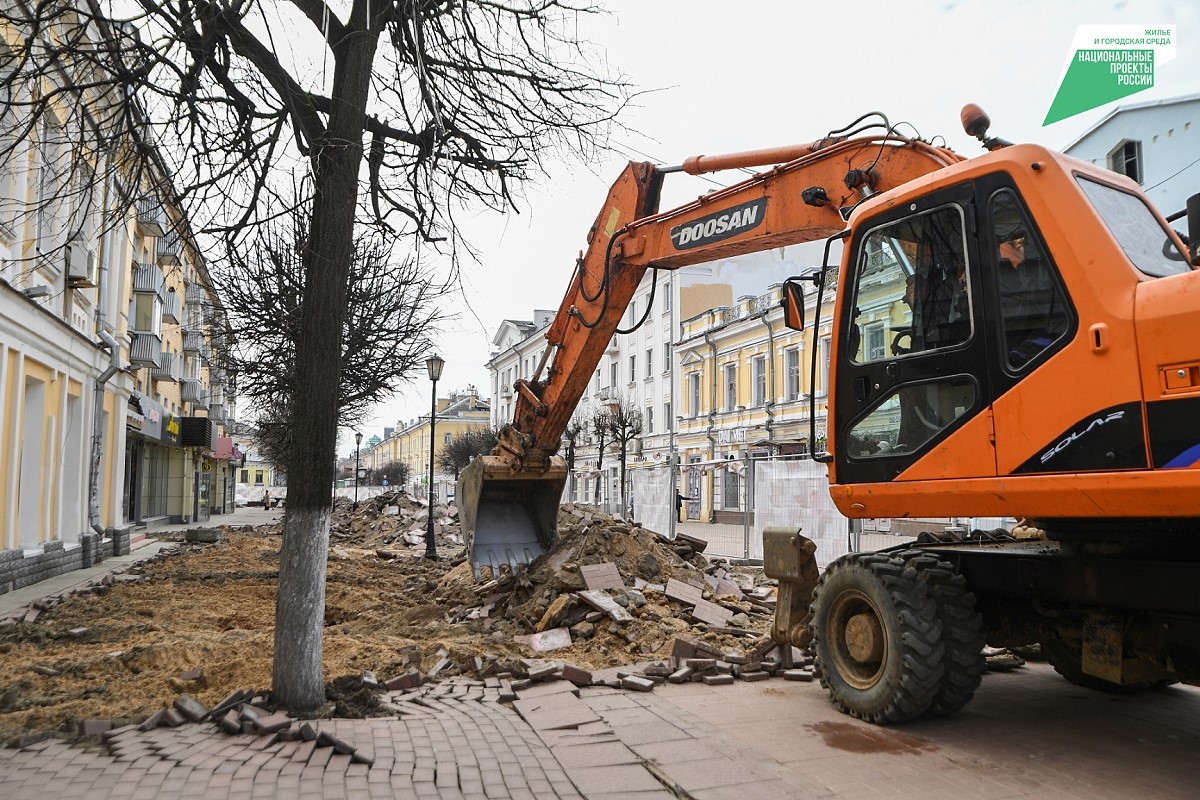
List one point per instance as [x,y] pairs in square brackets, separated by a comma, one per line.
[961,632]
[1067,661]
[877,638]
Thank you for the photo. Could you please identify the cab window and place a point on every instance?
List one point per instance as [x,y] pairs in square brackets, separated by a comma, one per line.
[1145,242]
[1034,313]
[913,292]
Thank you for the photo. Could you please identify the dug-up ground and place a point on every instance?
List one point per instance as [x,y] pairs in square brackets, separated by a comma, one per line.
[198,621]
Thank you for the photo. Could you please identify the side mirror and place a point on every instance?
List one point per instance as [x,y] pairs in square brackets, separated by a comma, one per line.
[793,304]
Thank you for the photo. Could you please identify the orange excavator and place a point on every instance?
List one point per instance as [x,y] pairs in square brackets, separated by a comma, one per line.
[1013,335]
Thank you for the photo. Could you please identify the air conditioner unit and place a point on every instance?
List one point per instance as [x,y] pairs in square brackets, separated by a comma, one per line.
[81,265]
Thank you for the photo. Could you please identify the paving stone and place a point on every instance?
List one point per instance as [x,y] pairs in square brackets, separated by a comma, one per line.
[637,684]
[797,675]
[602,576]
[190,707]
[754,676]
[718,680]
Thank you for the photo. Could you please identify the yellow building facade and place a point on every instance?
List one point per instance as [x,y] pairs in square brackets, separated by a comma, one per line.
[744,383]
[409,443]
[111,400]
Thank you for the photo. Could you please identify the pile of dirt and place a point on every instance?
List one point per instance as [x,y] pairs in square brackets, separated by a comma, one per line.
[119,651]
[392,519]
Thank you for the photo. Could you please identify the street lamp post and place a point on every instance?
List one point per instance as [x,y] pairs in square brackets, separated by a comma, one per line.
[357,465]
[434,364]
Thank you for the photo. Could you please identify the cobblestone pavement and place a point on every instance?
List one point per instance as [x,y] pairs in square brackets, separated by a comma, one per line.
[1028,734]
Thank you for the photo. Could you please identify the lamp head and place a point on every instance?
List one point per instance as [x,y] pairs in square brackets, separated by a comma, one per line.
[434,364]
[357,439]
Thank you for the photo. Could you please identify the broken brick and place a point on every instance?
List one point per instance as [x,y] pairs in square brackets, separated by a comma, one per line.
[172,718]
[273,723]
[153,721]
[718,680]
[602,576]
[94,727]
[637,684]
[409,680]
[190,707]
[576,675]
[230,723]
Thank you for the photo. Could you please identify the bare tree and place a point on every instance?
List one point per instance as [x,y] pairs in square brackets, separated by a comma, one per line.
[396,473]
[462,447]
[570,436]
[386,332]
[598,425]
[399,111]
[624,426]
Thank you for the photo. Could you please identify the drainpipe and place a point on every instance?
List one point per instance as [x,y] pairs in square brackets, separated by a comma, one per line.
[114,355]
[769,406]
[712,409]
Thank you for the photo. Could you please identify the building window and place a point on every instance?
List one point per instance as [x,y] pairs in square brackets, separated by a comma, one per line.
[258,477]
[1126,159]
[668,420]
[666,357]
[245,476]
[632,369]
[760,380]
[666,290]
[694,395]
[648,416]
[875,350]
[597,381]
[730,500]
[792,359]
[612,374]
[649,363]
[825,346]
[730,387]
[445,438]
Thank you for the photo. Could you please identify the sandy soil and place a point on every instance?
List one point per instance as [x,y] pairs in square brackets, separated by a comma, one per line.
[211,607]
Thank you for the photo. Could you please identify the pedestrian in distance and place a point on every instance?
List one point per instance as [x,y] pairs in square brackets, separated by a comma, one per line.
[267,500]
[679,498]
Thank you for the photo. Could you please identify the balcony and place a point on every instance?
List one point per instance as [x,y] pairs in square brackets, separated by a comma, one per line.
[147,279]
[192,391]
[196,296]
[170,309]
[193,342]
[216,412]
[206,354]
[145,349]
[165,371]
[168,250]
[151,220]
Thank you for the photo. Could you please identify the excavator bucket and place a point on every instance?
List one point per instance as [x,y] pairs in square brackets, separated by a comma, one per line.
[508,517]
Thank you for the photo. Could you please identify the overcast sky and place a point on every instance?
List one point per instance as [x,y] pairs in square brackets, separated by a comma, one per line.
[758,73]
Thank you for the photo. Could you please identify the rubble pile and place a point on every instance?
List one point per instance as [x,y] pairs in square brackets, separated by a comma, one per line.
[392,520]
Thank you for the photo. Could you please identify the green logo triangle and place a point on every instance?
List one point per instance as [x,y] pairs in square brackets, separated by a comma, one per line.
[1096,77]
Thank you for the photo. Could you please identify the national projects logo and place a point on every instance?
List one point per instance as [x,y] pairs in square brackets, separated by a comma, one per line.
[1108,62]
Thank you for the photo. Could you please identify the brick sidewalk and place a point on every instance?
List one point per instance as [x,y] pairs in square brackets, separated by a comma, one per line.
[1028,734]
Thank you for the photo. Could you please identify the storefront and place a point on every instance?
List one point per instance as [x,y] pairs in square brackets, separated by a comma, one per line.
[224,463]
[199,432]
[152,441]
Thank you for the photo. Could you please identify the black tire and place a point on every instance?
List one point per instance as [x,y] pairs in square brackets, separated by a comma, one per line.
[891,671]
[1068,662]
[961,632]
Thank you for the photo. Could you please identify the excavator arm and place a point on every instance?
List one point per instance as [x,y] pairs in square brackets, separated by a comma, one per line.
[509,499]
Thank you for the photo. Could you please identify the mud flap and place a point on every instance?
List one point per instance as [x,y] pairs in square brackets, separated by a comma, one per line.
[508,518]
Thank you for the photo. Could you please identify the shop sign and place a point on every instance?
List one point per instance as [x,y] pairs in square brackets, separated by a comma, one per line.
[735,436]
[170,430]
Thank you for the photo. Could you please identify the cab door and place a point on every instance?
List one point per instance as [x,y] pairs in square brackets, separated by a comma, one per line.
[912,362]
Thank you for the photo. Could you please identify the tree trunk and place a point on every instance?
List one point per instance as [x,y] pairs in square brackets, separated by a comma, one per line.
[298,677]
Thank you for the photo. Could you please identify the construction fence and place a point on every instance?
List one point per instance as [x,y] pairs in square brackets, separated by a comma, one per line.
[729,503]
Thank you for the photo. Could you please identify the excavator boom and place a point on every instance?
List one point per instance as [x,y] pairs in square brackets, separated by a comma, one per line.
[805,199]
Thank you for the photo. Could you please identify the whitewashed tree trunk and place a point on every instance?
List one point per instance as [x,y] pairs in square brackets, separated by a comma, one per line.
[299,643]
